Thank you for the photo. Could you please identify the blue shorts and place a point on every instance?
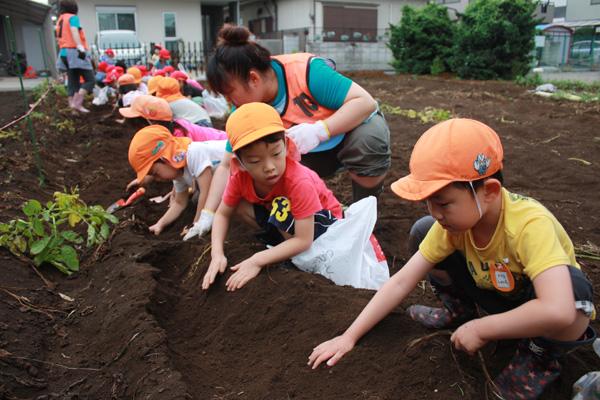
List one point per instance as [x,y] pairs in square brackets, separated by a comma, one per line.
[280,219]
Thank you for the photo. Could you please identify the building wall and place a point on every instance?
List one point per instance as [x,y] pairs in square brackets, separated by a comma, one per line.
[455,6]
[578,10]
[149,18]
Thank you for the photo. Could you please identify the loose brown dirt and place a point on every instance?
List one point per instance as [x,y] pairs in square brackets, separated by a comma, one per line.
[140,328]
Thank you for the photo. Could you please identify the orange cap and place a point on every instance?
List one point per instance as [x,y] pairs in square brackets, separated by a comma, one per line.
[126,79]
[168,89]
[149,107]
[153,84]
[251,122]
[155,142]
[456,150]
[137,74]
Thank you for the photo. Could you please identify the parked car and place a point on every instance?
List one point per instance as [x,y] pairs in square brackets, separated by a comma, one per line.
[581,52]
[124,43]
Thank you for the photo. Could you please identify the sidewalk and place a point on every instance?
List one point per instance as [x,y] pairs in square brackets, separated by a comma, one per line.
[11,83]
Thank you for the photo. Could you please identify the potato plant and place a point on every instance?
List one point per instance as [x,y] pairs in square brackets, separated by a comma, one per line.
[50,233]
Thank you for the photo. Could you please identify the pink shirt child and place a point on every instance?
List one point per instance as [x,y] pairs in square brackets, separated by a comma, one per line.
[304,189]
[184,128]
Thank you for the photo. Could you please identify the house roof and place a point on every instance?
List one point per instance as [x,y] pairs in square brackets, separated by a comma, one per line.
[27,10]
[579,24]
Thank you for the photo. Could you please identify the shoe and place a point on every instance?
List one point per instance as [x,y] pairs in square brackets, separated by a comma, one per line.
[536,365]
[530,371]
[454,312]
[77,103]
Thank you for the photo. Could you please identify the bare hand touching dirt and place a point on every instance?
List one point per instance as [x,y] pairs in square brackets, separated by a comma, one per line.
[244,271]
[217,266]
[156,229]
[330,351]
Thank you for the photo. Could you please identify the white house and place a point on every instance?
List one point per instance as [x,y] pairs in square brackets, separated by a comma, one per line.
[155,21]
[354,33]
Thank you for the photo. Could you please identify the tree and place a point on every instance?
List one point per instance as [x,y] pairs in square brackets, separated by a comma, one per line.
[495,39]
[422,42]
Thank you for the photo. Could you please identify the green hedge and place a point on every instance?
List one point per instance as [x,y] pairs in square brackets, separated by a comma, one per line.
[492,39]
[421,43]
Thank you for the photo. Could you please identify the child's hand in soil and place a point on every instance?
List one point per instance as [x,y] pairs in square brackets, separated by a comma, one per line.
[217,265]
[131,185]
[330,351]
[467,337]
[156,229]
[244,271]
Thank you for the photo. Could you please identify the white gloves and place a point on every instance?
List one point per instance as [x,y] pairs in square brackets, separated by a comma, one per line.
[80,48]
[202,226]
[307,136]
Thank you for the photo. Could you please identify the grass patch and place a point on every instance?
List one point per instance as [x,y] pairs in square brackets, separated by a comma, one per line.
[566,89]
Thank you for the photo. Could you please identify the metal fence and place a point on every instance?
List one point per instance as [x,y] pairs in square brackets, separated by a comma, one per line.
[568,51]
[192,55]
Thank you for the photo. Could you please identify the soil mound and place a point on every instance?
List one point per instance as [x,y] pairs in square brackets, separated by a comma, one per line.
[139,327]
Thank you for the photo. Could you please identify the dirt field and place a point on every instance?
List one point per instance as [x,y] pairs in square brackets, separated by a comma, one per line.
[140,328]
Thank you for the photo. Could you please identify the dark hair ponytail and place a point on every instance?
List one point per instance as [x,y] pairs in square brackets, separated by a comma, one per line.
[68,7]
[234,57]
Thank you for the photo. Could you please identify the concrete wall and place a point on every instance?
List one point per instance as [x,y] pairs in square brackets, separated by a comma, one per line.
[354,57]
[362,56]
[149,18]
[578,10]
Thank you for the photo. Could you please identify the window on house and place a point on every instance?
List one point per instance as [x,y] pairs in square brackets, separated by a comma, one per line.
[122,18]
[170,28]
[349,23]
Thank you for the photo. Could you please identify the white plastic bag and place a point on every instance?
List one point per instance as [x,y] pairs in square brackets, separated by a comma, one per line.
[348,252]
[216,106]
[101,96]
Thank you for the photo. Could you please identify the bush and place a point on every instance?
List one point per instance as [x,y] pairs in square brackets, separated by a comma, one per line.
[495,39]
[422,42]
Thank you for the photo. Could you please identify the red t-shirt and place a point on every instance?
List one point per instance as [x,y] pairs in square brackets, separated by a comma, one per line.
[302,186]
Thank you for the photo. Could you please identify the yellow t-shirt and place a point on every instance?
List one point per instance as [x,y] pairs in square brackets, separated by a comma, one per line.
[528,240]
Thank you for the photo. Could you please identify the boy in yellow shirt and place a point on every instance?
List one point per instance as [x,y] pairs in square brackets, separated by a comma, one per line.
[483,246]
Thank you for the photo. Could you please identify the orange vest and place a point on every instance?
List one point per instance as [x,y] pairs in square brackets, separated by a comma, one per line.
[300,106]
[64,37]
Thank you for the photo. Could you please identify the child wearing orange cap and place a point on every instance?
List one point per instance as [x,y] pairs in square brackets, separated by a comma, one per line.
[182,107]
[483,247]
[269,189]
[128,90]
[154,152]
[138,76]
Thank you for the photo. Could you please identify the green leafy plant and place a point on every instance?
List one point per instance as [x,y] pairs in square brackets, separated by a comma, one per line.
[49,233]
[64,126]
[58,88]
[427,115]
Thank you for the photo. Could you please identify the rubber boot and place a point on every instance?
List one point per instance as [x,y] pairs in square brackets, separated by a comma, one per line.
[454,311]
[360,192]
[535,366]
[77,103]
